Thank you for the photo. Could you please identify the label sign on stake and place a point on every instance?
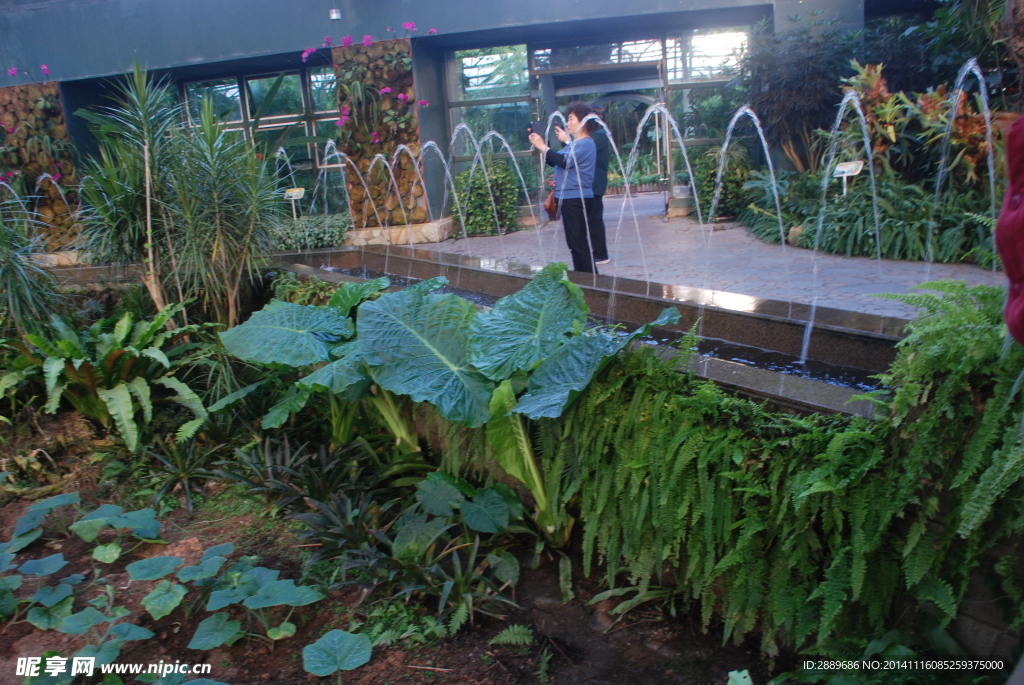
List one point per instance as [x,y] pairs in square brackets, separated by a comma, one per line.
[294,194]
[846,169]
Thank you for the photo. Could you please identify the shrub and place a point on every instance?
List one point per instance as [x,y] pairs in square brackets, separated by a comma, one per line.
[311,232]
[476,204]
[737,170]
[28,291]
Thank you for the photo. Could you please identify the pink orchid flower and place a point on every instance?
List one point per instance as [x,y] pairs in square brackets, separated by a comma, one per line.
[45,69]
[11,131]
[432,31]
[327,42]
[402,96]
[341,121]
[13,71]
[346,41]
[367,40]
[344,111]
[307,52]
[385,90]
[56,177]
[409,26]
[375,137]
[424,103]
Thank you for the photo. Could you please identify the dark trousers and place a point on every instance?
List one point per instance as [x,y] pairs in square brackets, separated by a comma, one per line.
[595,219]
[575,217]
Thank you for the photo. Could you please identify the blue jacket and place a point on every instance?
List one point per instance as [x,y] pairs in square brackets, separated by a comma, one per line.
[574,169]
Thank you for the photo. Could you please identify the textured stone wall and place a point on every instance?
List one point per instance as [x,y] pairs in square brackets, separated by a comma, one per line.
[378,106]
[35,149]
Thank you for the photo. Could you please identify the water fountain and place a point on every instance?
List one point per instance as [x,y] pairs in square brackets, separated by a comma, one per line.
[808,356]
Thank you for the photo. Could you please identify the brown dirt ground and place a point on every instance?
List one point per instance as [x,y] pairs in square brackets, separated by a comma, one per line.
[645,648]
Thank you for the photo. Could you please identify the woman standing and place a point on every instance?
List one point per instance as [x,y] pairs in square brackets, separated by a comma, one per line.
[574,179]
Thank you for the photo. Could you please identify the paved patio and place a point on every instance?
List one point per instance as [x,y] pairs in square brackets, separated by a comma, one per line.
[679,252]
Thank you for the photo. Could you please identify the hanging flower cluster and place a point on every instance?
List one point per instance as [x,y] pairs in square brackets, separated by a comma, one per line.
[307,52]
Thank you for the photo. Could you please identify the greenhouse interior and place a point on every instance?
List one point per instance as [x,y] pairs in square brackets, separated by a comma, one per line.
[676,342]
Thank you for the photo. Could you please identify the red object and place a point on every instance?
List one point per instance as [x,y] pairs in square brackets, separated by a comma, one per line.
[1010,231]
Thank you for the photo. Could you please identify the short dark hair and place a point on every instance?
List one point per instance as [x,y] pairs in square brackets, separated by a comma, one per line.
[581,110]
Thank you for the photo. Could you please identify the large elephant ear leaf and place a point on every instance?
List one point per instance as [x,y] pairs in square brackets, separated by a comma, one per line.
[416,345]
[288,334]
[527,326]
[668,317]
[351,294]
[563,375]
[346,375]
[560,377]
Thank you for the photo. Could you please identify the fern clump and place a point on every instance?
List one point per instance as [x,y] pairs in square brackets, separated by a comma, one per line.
[517,635]
[805,528]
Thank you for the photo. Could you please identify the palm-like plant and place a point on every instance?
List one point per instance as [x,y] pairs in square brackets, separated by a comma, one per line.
[219,210]
[28,291]
[196,205]
[123,195]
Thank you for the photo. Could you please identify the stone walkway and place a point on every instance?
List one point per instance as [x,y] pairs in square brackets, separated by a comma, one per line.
[676,252]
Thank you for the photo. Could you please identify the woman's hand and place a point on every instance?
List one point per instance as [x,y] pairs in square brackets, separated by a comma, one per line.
[537,141]
[561,134]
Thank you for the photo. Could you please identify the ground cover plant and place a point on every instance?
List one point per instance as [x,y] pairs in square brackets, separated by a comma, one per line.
[428,455]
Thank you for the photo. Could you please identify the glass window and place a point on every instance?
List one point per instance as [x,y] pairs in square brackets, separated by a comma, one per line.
[491,73]
[287,101]
[508,119]
[705,55]
[323,87]
[607,53]
[224,94]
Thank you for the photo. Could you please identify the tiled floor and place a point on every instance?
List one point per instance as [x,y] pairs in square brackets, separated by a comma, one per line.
[680,252]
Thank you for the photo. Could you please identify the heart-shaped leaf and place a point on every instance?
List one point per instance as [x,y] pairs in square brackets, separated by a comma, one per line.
[128,632]
[51,503]
[107,554]
[45,566]
[528,325]
[438,494]
[338,650]
[416,535]
[142,522]
[29,521]
[282,592]
[222,550]
[416,346]
[80,623]
[5,563]
[282,631]
[11,583]
[214,631]
[22,541]
[52,617]
[48,596]
[222,598]
[152,568]
[106,653]
[206,569]
[88,530]
[487,513]
[289,334]
[163,599]
[505,566]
